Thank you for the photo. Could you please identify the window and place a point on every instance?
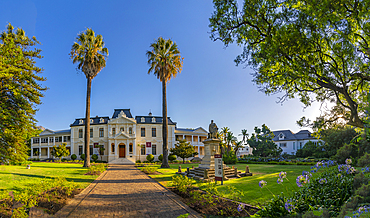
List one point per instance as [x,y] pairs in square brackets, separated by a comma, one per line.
[142,149]
[142,132]
[300,145]
[101,150]
[91,133]
[80,133]
[58,139]
[143,119]
[66,138]
[113,147]
[130,148]
[114,131]
[36,140]
[293,145]
[153,120]
[51,139]
[121,129]
[80,122]
[154,149]
[101,132]
[91,150]
[44,140]
[154,132]
[101,120]
[80,150]
[282,145]
[91,121]
[130,130]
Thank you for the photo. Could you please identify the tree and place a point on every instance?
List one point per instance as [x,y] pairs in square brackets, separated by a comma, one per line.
[90,54]
[262,144]
[165,62]
[230,139]
[184,150]
[60,151]
[101,151]
[20,93]
[245,135]
[313,50]
[237,146]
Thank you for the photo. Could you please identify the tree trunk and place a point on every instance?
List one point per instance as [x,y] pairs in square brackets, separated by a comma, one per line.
[87,125]
[165,127]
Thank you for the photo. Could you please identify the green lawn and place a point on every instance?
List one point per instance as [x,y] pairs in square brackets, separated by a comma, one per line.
[17,178]
[254,195]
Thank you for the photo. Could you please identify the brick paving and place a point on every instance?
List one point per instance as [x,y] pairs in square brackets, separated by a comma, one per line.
[124,191]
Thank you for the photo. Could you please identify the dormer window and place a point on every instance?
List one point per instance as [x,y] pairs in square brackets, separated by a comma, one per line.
[143,119]
[153,120]
[91,121]
[80,121]
[281,136]
[101,120]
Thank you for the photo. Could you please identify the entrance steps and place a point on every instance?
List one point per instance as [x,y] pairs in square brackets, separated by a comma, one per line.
[122,161]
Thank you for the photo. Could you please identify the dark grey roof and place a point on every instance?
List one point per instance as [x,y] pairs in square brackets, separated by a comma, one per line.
[96,121]
[184,129]
[63,131]
[52,132]
[289,135]
[117,111]
[148,119]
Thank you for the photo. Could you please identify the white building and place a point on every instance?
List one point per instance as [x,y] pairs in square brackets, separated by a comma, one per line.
[122,135]
[290,142]
[245,150]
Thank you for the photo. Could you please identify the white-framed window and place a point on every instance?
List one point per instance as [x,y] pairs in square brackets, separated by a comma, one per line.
[300,145]
[91,121]
[113,131]
[101,120]
[80,121]
[130,130]
[281,136]
[130,148]
[36,140]
[80,150]
[66,138]
[101,132]
[153,120]
[51,139]
[44,140]
[154,132]
[91,133]
[293,145]
[154,149]
[80,133]
[143,119]
[122,129]
[142,150]
[142,132]
[282,145]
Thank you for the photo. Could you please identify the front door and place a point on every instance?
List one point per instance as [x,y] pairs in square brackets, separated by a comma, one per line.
[122,151]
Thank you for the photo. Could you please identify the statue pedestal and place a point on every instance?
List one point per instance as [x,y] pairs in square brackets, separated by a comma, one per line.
[211,147]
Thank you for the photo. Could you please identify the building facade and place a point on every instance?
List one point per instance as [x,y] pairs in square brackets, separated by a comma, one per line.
[290,142]
[122,136]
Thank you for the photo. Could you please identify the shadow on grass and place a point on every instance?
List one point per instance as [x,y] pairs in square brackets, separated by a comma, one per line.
[77,180]
[61,167]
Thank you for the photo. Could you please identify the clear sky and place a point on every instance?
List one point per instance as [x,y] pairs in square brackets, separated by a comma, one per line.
[210,86]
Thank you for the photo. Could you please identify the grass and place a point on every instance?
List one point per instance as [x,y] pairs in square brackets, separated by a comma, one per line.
[15,178]
[253,194]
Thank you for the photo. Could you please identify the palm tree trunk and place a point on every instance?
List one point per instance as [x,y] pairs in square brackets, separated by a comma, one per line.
[87,124]
[165,127]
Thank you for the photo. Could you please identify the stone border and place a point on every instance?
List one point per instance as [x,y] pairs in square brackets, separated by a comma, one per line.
[75,202]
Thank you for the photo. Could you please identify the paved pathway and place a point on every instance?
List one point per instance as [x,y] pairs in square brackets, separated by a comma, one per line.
[124,191]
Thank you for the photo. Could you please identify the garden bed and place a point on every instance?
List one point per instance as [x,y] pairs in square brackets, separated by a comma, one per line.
[213,205]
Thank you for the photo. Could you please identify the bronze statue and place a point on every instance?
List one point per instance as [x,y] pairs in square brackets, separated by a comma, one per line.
[213,130]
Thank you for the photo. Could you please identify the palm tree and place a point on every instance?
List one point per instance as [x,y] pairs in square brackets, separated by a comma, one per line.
[165,62]
[230,138]
[90,54]
[237,145]
[245,135]
[224,131]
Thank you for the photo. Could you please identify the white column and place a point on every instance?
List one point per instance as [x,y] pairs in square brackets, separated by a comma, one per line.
[183,137]
[39,152]
[54,141]
[198,151]
[31,147]
[48,151]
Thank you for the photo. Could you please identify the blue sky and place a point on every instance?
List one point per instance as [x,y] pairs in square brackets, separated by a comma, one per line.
[210,86]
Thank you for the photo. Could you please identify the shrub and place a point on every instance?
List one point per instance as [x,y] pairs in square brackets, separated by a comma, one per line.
[64,159]
[182,183]
[364,160]
[172,157]
[160,157]
[82,156]
[229,158]
[96,169]
[73,157]
[148,169]
[138,161]
[94,157]
[150,157]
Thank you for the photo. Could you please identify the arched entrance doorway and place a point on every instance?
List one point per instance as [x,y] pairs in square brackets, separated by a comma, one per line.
[122,150]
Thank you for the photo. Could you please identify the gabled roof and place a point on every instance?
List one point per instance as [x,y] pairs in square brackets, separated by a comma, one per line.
[290,136]
[96,121]
[149,119]
[118,111]
[51,132]
[198,130]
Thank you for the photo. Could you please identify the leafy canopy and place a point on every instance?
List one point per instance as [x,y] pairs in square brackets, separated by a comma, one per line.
[20,92]
[313,50]
[60,151]
[183,149]
[262,144]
